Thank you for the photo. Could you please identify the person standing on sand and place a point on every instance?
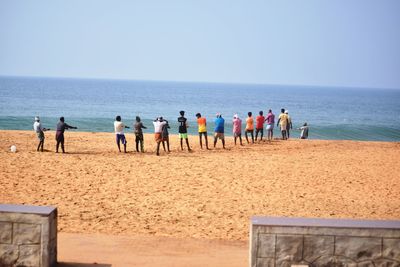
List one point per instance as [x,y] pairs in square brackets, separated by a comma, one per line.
[37,127]
[158,127]
[165,134]
[249,127]
[61,127]
[260,124]
[202,123]
[183,125]
[283,122]
[219,130]
[119,127]
[237,128]
[289,124]
[304,131]
[270,120]
[139,139]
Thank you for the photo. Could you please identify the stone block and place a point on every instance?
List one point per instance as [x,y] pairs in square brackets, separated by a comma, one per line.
[266,246]
[29,256]
[386,263]
[317,246]
[391,249]
[25,233]
[265,262]
[8,255]
[5,233]
[289,248]
[333,261]
[358,248]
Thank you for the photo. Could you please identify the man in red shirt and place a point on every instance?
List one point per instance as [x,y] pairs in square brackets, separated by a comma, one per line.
[260,124]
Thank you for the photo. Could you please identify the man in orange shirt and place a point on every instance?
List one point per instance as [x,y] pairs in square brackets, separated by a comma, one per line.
[260,125]
[202,123]
[249,127]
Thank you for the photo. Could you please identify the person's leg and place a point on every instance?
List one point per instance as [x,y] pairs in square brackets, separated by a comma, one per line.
[42,146]
[40,142]
[252,137]
[118,142]
[142,143]
[240,139]
[205,135]
[247,138]
[158,148]
[262,134]
[137,141]
[163,145]
[215,140]
[257,130]
[187,143]
[288,131]
[201,144]
[168,144]
[272,134]
[62,146]
[57,145]
[181,144]
[234,138]
[223,143]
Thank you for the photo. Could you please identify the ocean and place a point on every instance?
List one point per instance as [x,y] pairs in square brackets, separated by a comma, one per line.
[92,105]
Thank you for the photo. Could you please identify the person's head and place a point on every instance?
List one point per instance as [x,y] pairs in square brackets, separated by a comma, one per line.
[118,118]
[37,118]
[198,115]
[62,119]
[282,110]
[270,111]
[286,112]
[305,124]
[249,114]
[236,116]
[161,118]
[261,112]
[218,115]
[182,113]
[137,118]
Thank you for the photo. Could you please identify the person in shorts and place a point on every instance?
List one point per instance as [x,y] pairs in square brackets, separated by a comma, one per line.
[283,122]
[119,127]
[270,120]
[183,125]
[260,124]
[139,139]
[249,127]
[289,125]
[237,128]
[39,130]
[61,127]
[158,127]
[219,130]
[202,123]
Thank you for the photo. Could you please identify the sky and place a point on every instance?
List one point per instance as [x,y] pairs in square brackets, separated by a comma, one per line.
[350,43]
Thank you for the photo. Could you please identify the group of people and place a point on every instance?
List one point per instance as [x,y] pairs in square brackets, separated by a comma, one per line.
[161,133]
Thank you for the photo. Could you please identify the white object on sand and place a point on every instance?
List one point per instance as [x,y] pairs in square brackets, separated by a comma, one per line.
[13,148]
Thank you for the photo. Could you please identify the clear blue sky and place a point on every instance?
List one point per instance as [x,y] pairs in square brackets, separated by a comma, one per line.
[317,42]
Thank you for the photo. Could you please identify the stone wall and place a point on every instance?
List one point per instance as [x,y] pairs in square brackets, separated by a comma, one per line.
[276,242]
[28,236]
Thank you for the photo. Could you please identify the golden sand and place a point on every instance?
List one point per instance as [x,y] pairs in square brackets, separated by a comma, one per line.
[203,194]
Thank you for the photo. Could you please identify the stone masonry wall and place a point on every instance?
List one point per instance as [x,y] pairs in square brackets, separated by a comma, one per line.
[288,245]
[27,239]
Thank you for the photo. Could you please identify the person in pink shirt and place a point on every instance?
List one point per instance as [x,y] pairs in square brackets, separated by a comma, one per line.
[260,124]
[237,128]
[270,120]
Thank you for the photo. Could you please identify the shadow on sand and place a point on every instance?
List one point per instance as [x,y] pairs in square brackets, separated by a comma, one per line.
[75,264]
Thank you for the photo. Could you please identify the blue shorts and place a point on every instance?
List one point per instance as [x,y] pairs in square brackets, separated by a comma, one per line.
[121,137]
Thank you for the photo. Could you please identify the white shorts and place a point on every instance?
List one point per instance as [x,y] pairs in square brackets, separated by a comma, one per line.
[270,126]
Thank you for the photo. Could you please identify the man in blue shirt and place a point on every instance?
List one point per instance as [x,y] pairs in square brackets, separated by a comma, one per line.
[219,130]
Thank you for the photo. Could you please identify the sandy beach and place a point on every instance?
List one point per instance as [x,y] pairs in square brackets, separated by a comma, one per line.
[203,194]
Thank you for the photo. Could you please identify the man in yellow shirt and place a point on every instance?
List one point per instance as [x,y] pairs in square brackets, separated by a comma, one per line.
[202,123]
[283,122]
[249,127]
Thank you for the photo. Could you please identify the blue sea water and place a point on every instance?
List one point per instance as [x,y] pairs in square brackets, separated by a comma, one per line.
[91,105]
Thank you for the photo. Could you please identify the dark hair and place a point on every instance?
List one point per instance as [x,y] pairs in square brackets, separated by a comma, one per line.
[198,115]
[282,110]
[137,118]
[261,112]
[182,112]
[62,119]
[249,113]
[270,110]
[118,118]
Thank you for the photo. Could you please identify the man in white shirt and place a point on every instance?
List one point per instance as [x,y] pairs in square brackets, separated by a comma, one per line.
[119,127]
[38,128]
[158,128]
